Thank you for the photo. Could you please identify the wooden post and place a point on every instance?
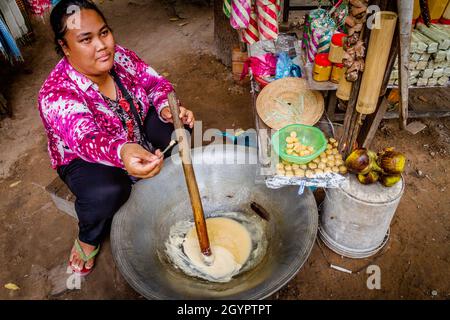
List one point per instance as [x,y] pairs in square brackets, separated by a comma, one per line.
[349,120]
[356,129]
[405,11]
[391,62]
[189,175]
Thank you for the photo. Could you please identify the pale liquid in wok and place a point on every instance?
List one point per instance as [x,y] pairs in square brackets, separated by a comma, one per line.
[230,243]
[237,240]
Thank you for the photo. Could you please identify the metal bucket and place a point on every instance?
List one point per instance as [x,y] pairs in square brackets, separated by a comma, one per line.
[355,218]
[141,227]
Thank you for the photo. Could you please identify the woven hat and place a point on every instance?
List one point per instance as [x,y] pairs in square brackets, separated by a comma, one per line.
[289,101]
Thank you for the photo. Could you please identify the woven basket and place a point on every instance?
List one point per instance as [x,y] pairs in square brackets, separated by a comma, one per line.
[278,104]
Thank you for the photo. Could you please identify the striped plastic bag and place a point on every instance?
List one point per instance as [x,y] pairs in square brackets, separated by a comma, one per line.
[267,19]
[240,13]
[251,34]
[227,8]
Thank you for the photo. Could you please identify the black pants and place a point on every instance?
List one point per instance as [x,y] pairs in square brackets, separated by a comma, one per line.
[101,190]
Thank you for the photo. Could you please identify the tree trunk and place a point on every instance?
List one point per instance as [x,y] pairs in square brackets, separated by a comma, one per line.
[225,37]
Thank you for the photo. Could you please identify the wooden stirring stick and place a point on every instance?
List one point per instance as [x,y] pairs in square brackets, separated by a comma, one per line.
[191,182]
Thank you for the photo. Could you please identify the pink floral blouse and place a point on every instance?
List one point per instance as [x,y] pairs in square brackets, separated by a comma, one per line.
[77,119]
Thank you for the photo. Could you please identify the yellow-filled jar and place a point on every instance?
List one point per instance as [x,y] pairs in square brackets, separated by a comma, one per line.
[344,88]
[322,67]
[337,72]
[337,48]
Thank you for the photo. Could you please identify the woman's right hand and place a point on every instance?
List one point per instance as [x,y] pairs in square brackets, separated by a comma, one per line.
[139,162]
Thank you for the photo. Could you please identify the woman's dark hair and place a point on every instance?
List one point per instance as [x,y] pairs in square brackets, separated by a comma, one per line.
[60,13]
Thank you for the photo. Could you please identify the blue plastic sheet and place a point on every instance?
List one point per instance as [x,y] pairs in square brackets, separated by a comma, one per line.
[286,68]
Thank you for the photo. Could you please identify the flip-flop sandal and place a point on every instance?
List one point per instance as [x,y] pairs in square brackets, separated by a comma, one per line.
[85,271]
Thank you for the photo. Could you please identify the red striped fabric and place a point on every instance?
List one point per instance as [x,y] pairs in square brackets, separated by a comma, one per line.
[267,19]
[251,34]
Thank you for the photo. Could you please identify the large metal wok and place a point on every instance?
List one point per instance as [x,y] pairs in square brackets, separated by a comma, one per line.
[141,227]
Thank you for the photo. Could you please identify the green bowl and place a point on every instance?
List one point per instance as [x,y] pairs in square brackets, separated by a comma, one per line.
[307,135]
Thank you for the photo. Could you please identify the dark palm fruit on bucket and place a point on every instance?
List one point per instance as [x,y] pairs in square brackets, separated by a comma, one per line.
[374,158]
[369,178]
[359,161]
[391,161]
[390,180]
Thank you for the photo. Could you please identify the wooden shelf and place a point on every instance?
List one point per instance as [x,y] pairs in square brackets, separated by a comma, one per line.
[315,85]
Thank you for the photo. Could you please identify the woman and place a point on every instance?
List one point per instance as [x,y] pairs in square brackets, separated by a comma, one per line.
[106,115]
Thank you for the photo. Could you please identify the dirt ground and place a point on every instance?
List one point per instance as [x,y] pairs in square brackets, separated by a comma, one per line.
[35,238]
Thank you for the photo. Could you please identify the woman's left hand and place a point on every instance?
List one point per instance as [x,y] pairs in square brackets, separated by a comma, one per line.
[187,116]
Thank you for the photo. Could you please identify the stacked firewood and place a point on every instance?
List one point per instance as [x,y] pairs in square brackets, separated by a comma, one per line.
[429,63]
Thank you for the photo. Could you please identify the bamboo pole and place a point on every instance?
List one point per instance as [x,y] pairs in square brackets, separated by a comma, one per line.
[371,83]
[405,11]
[376,62]
[372,121]
[191,182]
